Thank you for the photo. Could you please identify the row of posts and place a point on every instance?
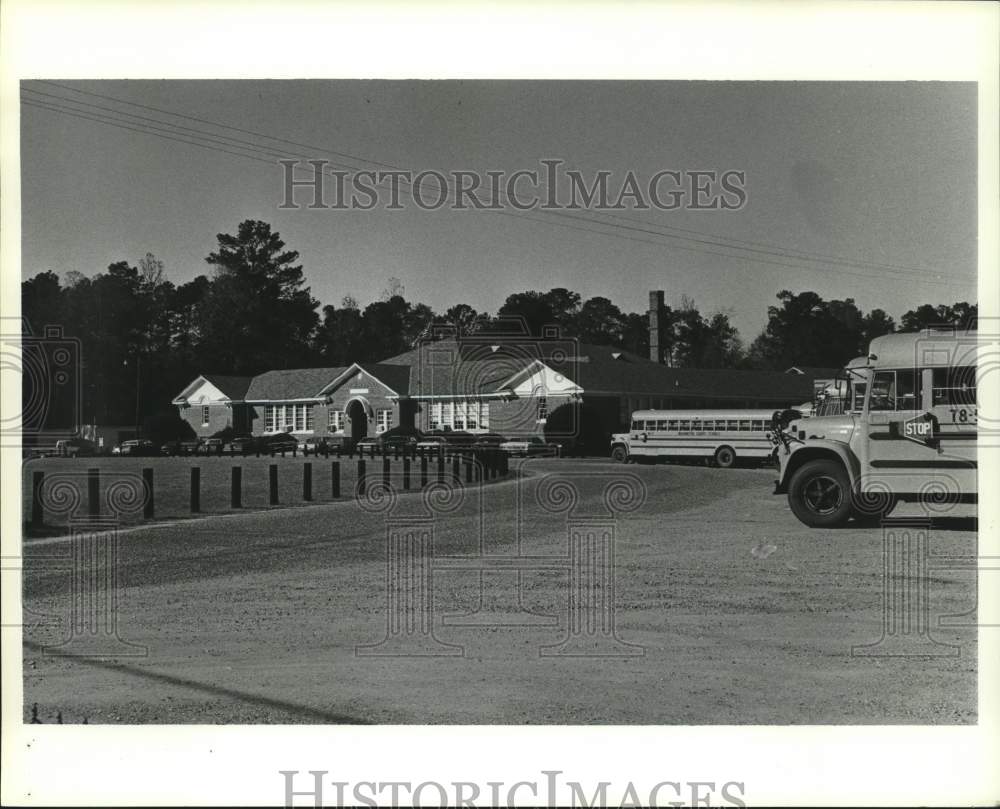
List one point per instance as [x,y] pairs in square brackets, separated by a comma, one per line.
[486,465]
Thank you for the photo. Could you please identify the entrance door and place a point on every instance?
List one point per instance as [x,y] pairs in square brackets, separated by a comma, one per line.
[359,421]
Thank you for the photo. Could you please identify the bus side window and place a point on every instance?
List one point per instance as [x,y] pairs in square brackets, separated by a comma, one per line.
[637,425]
[709,424]
[696,424]
[661,424]
[672,425]
[954,386]
[732,425]
[745,425]
[685,424]
[906,391]
[758,426]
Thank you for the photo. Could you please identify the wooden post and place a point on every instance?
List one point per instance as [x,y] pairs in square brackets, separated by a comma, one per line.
[195,489]
[147,479]
[385,469]
[423,470]
[37,512]
[335,480]
[362,483]
[307,481]
[94,492]
[406,474]
[272,484]
[456,470]
[236,488]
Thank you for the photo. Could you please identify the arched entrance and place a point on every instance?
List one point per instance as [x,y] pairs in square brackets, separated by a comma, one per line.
[358,416]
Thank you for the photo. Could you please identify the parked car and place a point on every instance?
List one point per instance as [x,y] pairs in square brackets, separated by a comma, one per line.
[190,446]
[210,446]
[488,441]
[140,447]
[239,446]
[530,446]
[313,446]
[75,448]
[171,448]
[401,437]
[279,442]
[432,442]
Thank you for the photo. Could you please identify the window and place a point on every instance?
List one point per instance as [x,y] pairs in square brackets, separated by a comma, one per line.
[309,416]
[685,424]
[383,420]
[745,425]
[661,424]
[637,424]
[472,415]
[732,425]
[336,423]
[446,414]
[459,422]
[758,426]
[672,425]
[858,402]
[894,390]
[484,415]
[543,409]
[269,418]
[435,418]
[204,416]
[696,424]
[954,386]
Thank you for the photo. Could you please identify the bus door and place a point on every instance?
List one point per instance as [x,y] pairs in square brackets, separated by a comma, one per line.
[898,452]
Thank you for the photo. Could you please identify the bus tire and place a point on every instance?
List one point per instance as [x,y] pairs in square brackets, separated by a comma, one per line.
[619,454]
[819,494]
[725,457]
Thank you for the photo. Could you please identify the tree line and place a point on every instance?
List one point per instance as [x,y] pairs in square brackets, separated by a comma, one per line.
[143,338]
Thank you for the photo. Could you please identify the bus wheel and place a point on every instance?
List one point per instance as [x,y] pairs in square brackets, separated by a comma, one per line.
[820,494]
[619,454]
[725,457]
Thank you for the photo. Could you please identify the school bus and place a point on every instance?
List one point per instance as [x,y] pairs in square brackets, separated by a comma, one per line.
[723,437]
[913,437]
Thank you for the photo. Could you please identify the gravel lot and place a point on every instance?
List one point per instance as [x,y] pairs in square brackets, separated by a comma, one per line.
[742,614]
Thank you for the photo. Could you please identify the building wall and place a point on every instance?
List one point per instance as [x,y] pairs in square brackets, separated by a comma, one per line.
[376,399]
[220,417]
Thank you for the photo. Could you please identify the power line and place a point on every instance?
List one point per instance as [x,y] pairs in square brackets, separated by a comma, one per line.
[213,138]
[771,249]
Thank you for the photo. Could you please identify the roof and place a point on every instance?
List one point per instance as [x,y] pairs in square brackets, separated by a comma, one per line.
[297,383]
[480,366]
[930,349]
[234,387]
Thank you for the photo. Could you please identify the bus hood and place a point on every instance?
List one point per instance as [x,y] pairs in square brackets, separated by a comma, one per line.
[832,428]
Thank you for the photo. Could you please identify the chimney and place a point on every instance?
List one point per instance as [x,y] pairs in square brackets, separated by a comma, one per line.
[655,312]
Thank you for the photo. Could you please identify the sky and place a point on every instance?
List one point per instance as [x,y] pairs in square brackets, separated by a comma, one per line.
[876,179]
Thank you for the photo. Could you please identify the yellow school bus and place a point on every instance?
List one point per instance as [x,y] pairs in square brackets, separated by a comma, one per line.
[913,438]
[723,437]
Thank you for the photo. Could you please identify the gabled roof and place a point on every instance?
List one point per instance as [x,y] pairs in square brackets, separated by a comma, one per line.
[297,383]
[235,387]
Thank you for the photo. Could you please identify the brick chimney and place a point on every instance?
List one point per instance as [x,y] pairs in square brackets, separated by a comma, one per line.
[655,313]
